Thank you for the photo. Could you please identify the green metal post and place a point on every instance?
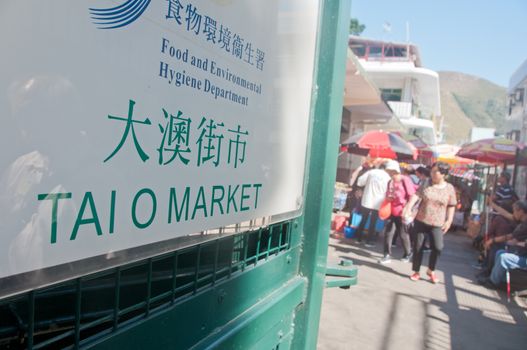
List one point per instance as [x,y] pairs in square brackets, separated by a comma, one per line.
[326,115]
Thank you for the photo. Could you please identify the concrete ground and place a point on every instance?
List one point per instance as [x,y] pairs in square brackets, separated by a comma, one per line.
[386,310]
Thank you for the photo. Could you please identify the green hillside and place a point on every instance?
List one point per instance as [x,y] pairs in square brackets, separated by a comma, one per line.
[468,101]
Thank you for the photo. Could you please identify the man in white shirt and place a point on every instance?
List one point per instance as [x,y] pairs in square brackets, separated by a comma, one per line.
[375,183]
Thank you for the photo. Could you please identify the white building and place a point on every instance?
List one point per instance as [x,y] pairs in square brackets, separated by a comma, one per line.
[477,134]
[517,120]
[411,90]
[517,116]
[387,88]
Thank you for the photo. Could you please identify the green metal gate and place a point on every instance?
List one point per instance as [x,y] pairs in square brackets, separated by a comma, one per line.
[259,289]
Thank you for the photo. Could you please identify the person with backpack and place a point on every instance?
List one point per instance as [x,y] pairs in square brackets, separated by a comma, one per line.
[400,189]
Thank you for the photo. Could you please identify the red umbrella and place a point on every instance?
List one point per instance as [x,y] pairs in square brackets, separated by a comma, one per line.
[380,144]
[494,151]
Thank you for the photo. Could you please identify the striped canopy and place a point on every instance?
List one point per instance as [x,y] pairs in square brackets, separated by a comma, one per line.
[494,151]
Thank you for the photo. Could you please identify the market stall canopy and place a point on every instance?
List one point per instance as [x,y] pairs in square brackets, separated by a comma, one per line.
[380,144]
[455,160]
[371,114]
[494,151]
[423,149]
[464,173]
[362,98]
[358,89]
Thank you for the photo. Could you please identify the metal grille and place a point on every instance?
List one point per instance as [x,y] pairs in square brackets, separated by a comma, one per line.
[77,312]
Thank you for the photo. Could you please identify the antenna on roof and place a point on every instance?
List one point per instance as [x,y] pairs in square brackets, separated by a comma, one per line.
[386,28]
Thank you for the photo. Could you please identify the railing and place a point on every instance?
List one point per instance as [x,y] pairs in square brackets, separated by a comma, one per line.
[401,109]
[73,314]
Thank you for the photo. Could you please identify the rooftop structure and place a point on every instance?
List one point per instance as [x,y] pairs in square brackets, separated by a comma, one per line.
[411,91]
[396,68]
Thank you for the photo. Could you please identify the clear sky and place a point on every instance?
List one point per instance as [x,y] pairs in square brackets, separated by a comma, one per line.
[486,38]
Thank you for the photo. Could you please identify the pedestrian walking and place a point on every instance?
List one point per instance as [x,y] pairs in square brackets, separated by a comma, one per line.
[353,202]
[433,219]
[423,176]
[375,182]
[400,190]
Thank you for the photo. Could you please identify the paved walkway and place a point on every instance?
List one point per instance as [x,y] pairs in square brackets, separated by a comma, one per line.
[386,310]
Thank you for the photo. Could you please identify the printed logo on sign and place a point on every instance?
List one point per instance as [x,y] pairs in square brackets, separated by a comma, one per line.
[119,16]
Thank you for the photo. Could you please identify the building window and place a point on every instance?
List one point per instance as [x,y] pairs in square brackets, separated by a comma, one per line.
[518,96]
[358,49]
[391,94]
[514,135]
[400,52]
[375,51]
[391,51]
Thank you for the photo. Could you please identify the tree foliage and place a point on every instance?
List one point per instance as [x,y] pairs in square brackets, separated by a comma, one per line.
[356,28]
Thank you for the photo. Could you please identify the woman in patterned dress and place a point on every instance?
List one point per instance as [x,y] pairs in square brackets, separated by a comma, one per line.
[433,219]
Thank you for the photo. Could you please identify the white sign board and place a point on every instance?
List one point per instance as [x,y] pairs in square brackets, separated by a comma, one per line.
[131,122]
